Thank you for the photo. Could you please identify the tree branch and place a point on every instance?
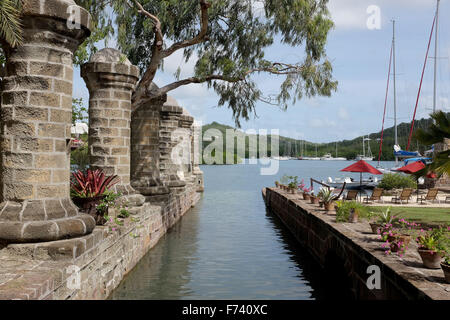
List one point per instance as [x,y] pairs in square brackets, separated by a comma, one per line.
[287,69]
[157,56]
[201,37]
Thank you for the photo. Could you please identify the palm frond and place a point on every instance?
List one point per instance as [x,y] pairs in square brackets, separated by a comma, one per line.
[10,24]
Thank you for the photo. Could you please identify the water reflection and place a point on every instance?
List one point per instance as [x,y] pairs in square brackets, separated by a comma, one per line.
[229,247]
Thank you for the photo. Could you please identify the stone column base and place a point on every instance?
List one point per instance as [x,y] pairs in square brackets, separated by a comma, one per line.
[42,220]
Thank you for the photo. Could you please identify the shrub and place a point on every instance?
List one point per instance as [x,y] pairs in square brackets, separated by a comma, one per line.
[343,210]
[397,181]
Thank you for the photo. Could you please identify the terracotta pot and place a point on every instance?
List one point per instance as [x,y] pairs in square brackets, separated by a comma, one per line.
[404,238]
[292,190]
[89,206]
[314,200]
[329,206]
[306,196]
[375,227]
[353,216]
[431,259]
[446,269]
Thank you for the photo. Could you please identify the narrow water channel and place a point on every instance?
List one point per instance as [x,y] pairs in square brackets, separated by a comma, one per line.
[230,247]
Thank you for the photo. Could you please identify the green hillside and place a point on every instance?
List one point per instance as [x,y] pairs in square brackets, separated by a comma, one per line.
[346,148]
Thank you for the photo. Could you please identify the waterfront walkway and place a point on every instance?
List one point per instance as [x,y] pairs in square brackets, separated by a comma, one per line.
[357,248]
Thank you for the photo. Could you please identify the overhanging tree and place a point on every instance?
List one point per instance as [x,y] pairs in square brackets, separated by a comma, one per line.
[228,39]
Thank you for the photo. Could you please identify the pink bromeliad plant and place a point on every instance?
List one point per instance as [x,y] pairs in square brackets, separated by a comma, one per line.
[91,184]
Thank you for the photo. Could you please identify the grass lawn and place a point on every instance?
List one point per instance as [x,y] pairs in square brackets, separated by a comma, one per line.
[427,216]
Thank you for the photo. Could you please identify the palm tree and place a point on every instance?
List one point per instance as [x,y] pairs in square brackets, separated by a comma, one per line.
[437,132]
[10,25]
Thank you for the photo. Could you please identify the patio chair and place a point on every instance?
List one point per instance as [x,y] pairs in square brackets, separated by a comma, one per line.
[431,196]
[351,195]
[404,196]
[376,195]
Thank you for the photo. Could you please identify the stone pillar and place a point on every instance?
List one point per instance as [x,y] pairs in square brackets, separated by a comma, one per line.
[145,152]
[184,147]
[196,151]
[169,171]
[36,113]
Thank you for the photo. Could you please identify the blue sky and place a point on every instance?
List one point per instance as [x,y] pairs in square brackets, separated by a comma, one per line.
[360,59]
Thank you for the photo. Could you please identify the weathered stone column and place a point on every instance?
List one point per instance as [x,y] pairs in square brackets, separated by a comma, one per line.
[170,115]
[196,151]
[36,108]
[145,153]
[111,79]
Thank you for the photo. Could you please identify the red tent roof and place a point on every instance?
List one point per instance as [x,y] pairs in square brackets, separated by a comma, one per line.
[362,166]
[412,167]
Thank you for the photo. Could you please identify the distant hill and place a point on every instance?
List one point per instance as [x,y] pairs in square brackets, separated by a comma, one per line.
[346,148]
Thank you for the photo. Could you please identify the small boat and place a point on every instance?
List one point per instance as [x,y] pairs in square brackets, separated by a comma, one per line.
[352,184]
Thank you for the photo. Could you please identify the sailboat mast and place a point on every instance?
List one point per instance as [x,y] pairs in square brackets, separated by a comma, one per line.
[395,90]
[364,148]
[436,56]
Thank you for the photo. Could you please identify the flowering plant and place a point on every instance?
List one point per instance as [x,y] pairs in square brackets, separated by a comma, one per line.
[386,230]
[303,188]
[432,239]
[397,246]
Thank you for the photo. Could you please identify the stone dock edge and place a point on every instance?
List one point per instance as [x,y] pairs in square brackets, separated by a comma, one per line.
[92,266]
[354,247]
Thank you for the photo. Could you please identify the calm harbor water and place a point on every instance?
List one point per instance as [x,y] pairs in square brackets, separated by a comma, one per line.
[229,247]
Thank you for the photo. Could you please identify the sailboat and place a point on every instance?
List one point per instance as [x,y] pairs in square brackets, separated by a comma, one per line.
[399,153]
[363,156]
[328,157]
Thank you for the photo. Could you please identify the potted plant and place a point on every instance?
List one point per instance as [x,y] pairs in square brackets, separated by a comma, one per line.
[277,184]
[445,265]
[293,184]
[89,189]
[384,218]
[431,248]
[313,199]
[327,199]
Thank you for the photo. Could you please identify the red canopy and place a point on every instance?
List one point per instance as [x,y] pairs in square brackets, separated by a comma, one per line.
[412,167]
[362,166]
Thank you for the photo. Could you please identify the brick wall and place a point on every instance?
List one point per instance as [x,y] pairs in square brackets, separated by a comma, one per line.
[46,270]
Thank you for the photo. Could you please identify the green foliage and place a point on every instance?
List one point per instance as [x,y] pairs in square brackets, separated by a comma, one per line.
[347,148]
[238,35]
[293,182]
[437,132]
[10,25]
[434,239]
[109,200]
[79,111]
[386,217]
[326,195]
[397,181]
[223,157]
[102,29]
[344,207]
[80,157]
